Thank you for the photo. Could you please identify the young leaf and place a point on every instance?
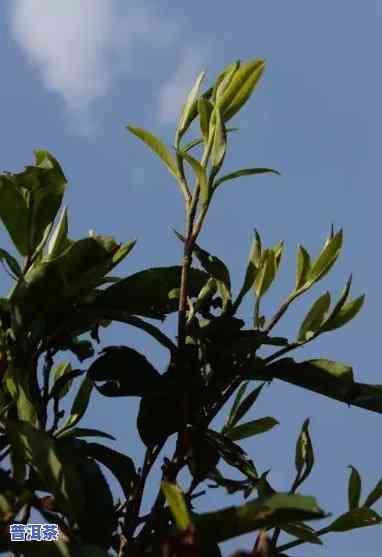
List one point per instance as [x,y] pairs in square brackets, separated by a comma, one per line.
[251,428]
[200,174]
[304,457]
[374,495]
[314,318]
[219,144]
[356,518]
[59,372]
[243,172]
[302,532]
[345,314]
[241,87]
[354,488]
[303,267]
[176,502]
[223,80]
[326,259]
[14,214]
[158,147]
[205,109]
[186,116]
[266,273]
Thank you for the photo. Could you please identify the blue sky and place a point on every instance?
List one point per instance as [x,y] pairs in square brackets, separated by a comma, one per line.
[75,73]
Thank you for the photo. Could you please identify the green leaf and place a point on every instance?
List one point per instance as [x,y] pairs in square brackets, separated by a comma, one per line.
[326,259]
[374,495]
[264,512]
[251,428]
[59,238]
[246,405]
[205,109]
[58,474]
[14,213]
[11,262]
[200,174]
[83,432]
[354,488]
[240,88]
[120,465]
[59,372]
[159,417]
[266,273]
[187,114]
[345,314]
[147,292]
[219,144]
[302,532]
[243,172]
[223,80]
[239,395]
[314,318]
[199,140]
[356,518]
[176,502]
[80,404]
[126,371]
[303,267]
[304,456]
[158,147]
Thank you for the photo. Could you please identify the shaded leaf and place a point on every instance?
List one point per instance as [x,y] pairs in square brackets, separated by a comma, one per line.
[84,432]
[205,109]
[80,404]
[356,518]
[11,262]
[219,143]
[314,318]
[239,395]
[302,532]
[246,405]
[304,455]
[127,372]
[251,428]
[345,314]
[374,495]
[147,292]
[57,473]
[354,488]
[266,273]
[275,510]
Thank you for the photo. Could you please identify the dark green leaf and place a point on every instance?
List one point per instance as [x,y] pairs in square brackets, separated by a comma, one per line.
[204,109]
[147,292]
[251,428]
[356,518]
[84,432]
[14,213]
[244,172]
[314,318]
[374,495]
[11,262]
[120,465]
[302,532]
[266,274]
[127,372]
[246,405]
[354,488]
[231,417]
[158,418]
[63,382]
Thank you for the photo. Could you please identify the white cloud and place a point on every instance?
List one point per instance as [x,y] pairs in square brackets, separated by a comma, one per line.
[173,92]
[80,46]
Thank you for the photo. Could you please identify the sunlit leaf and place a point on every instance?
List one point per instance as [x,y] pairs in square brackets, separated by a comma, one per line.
[356,518]
[254,427]
[186,116]
[303,267]
[175,500]
[314,318]
[243,172]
